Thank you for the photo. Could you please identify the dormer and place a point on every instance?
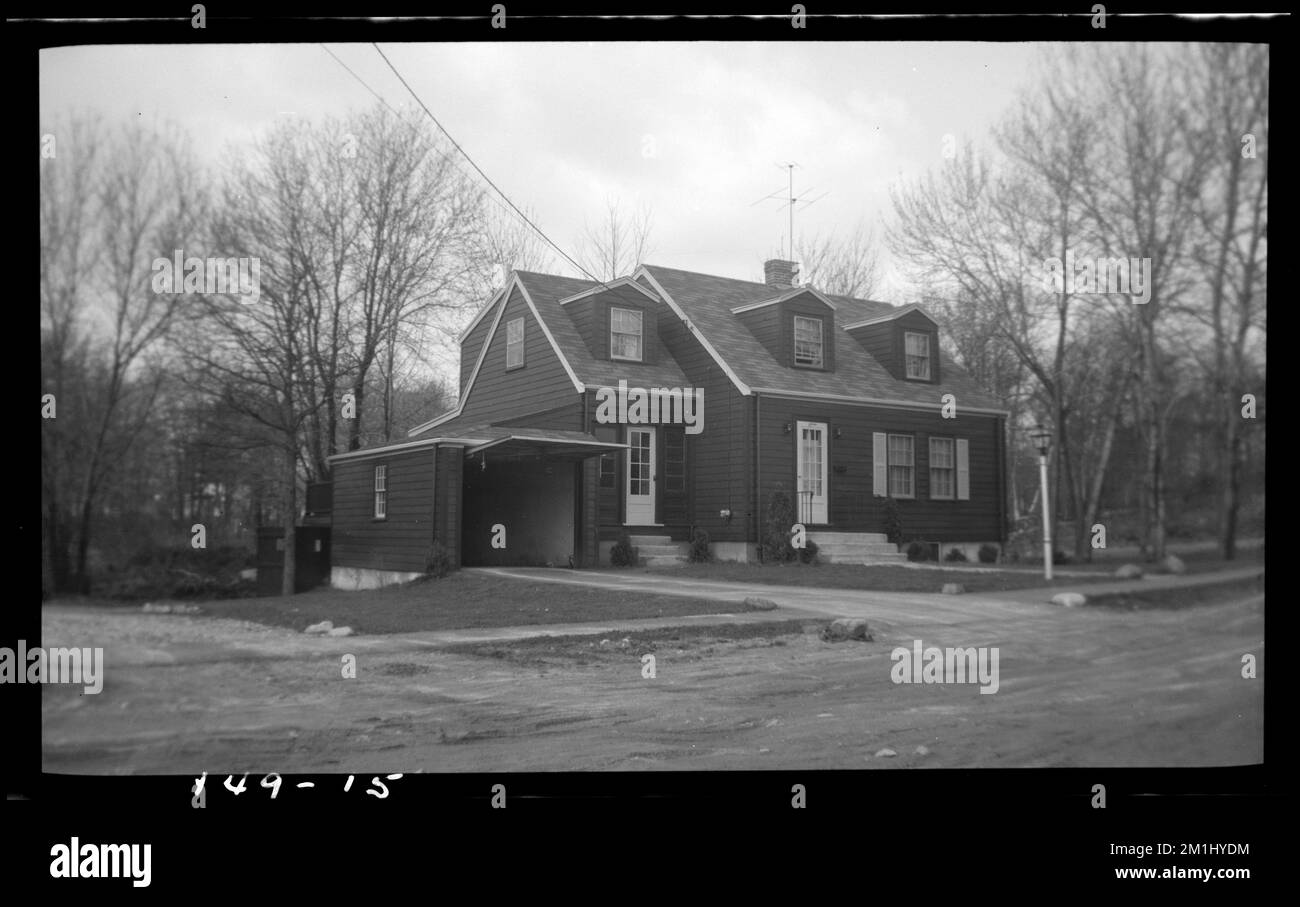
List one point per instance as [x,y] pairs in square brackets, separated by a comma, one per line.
[619,321]
[905,341]
[796,326]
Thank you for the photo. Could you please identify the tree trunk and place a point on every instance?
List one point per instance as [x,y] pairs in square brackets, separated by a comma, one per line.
[290,498]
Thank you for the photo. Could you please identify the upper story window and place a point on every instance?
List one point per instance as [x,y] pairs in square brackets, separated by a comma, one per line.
[917,353]
[625,335]
[515,343]
[381,492]
[808,341]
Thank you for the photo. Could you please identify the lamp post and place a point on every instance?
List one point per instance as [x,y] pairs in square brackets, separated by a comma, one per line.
[1042,439]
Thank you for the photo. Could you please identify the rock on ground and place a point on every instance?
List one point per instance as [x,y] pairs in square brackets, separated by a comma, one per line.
[923,750]
[953,589]
[340,631]
[1173,564]
[1069,599]
[885,753]
[321,628]
[1129,571]
[754,603]
[846,628]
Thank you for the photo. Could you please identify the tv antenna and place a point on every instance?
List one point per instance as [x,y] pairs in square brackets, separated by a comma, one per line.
[789,200]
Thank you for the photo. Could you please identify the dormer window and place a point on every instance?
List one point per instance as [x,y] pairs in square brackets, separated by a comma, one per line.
[625,334]
[808,346]
[917,355]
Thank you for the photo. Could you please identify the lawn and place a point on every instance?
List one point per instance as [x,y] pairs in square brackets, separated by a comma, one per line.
[1208,594]
[459,601]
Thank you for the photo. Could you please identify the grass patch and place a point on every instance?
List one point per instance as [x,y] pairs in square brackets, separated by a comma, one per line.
[678,643]
[459,601]
[1173,599]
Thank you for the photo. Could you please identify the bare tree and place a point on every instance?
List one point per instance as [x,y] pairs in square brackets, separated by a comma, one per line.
[614,246]
[846,265]
[111,205]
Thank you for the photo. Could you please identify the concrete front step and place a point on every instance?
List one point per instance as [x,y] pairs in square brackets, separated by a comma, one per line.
[661,560]
[821,536]
[864,560]
[658,550]
[864,549]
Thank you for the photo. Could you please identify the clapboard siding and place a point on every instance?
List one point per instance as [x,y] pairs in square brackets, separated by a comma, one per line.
[765,325]
[851,502]
[471,347]
[402,540]
[719,459]
[538,386]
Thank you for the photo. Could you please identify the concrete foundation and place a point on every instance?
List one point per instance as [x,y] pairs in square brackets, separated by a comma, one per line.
[355,579]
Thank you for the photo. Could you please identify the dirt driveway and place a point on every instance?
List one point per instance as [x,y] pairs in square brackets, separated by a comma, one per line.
[1078,687]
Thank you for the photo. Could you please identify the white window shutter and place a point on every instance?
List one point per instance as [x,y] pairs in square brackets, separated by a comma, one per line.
[963,469]
[879,464]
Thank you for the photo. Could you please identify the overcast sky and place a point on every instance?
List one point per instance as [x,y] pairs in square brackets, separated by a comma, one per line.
[561,128]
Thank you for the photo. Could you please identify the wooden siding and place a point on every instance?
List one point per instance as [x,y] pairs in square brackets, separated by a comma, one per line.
[627,298]
[851,503]
[538,386]
[765,325]
[720,458]
[402,540]
[885,342]
[470,347]
[448,500]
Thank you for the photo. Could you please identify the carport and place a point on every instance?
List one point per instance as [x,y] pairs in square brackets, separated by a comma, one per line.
[529,499]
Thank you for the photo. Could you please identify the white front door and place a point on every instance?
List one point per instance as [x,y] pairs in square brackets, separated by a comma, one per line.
[810,469]
[640,477]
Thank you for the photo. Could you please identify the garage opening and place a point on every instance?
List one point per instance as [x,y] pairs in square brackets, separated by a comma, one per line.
[522,497]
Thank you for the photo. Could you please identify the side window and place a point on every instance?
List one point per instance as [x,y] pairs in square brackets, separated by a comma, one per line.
[515,343]
[808,344]
[625,334]
[381,492]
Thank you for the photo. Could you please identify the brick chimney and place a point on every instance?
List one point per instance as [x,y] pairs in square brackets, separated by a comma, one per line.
[780,274]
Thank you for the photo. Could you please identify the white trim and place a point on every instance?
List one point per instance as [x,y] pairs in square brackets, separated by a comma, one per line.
[494,442]
[601,288]
[577,385]
[690,326]
[483,311]
[405,447]
[640,317]
[872,401]
[904,310]
[790,294]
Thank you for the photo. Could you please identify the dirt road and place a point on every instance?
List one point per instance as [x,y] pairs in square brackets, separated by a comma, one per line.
[1078,687]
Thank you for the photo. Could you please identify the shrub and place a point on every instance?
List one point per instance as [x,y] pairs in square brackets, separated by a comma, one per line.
[956,554]
[808,553]
[700,551]
[988,554]
[891,522]
[438,564]
[622,555]
[918,551]
[776,528]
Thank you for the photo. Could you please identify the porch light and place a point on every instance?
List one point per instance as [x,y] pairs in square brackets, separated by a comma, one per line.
[788,428]
[1042,439]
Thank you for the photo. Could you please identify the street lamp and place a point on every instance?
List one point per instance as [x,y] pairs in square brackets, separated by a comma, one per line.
[1042,439]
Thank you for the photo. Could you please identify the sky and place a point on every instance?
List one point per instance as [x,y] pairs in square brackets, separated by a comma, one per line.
[696,131]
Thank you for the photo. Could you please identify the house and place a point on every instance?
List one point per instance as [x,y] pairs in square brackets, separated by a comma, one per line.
[669,400]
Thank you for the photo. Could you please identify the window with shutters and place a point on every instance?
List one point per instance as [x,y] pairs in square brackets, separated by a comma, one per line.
[943,469]
[902,479]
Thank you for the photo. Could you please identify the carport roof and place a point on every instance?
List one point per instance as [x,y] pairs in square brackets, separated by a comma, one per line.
[527,442]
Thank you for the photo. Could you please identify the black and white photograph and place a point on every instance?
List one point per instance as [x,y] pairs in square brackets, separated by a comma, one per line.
[645,407]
